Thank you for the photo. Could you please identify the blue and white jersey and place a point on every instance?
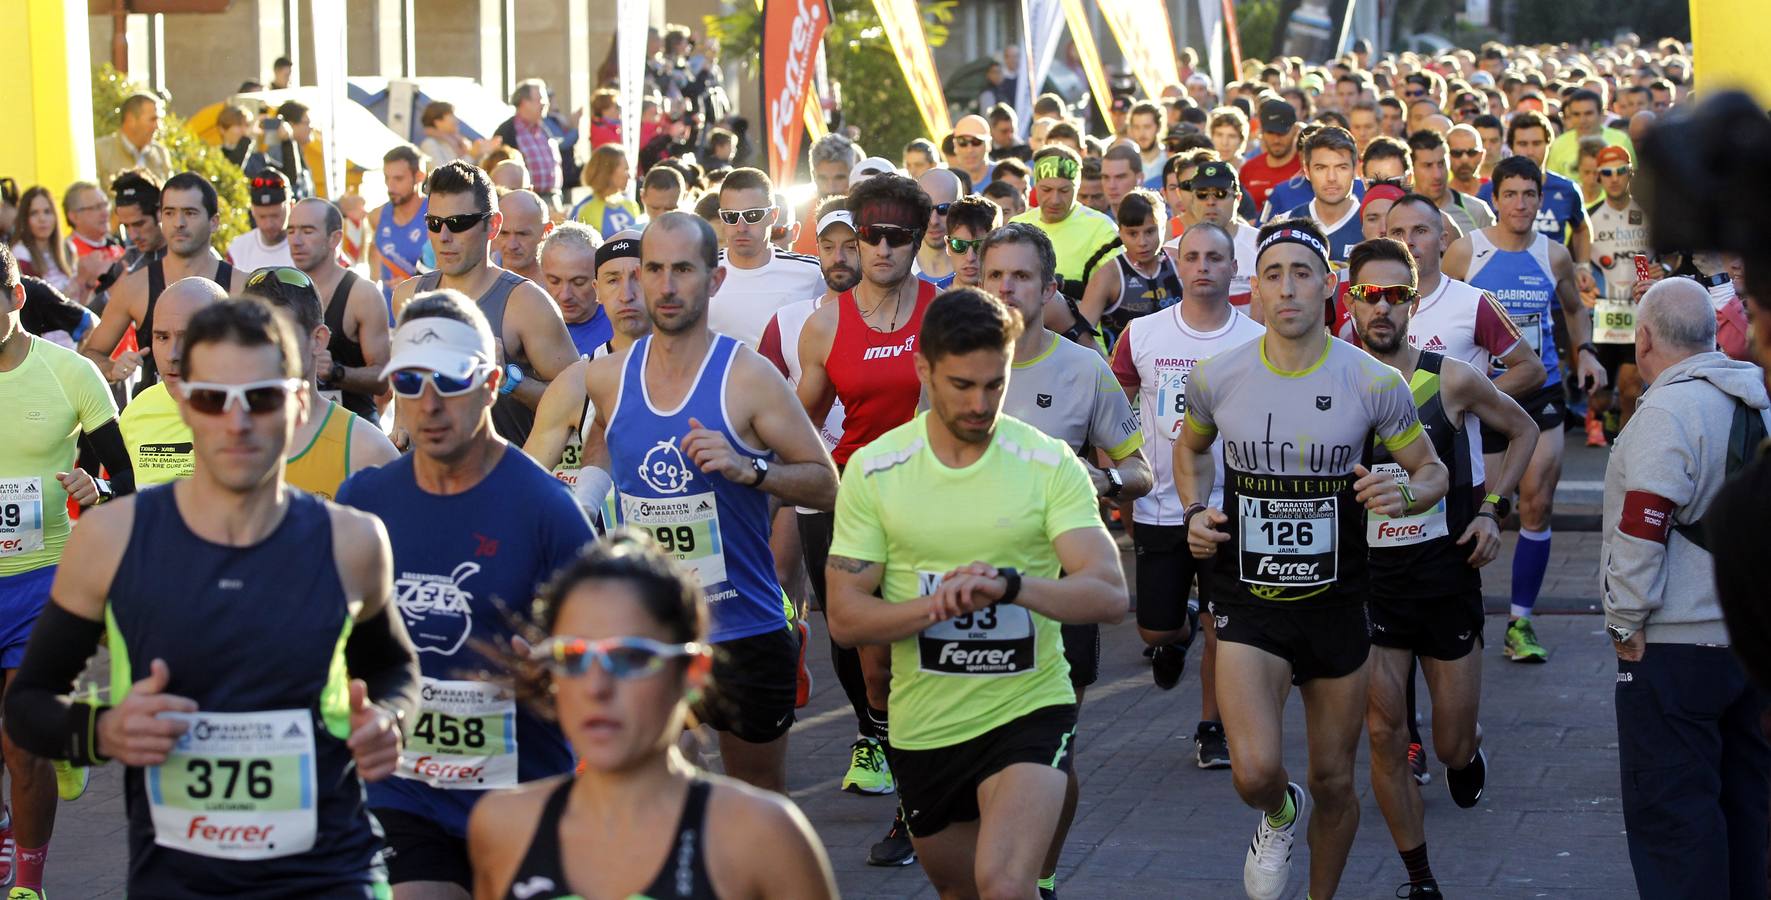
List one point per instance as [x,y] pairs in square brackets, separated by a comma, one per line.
[1526,286]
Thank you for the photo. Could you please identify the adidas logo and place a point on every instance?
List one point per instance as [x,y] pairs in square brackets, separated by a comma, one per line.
[1435,344]
[295,731]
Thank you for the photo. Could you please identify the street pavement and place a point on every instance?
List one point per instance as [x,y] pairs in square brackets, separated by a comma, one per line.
[1151,824]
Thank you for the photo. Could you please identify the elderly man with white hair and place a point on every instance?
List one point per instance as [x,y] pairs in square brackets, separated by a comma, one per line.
[1694,761]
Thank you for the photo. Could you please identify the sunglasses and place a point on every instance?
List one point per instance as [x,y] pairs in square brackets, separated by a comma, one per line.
[967,141]
[941,208]
[456,224]
[1414,94]
[1459,154]
[284,274]
[1211,194]
[212,399]
[893,235]
[1609,171]
[749,216]
[1393,294]
[264,182]
[410,382]
[623,658]
[962,247]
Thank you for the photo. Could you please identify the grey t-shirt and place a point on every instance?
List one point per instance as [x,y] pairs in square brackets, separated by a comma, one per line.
[1069,392]
[1291,440]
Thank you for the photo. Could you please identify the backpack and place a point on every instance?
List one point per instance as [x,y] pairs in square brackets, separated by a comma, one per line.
[1746,437]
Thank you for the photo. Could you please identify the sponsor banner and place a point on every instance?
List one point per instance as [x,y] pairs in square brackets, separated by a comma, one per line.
[903,27]
[1142,30]
[1235,43]
[793,30]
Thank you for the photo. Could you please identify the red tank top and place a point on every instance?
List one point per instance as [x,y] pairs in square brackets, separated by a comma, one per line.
[874,373]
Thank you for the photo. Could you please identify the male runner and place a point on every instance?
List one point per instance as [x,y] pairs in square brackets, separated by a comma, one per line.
[189,215]
[267,243]
[759,279]
[968,221]
[531,340]
[1214,194]
[1529,274]
[1584,113]
[1278,159]
[1561,214]
[154,429]
[1077,232]
[1620,236]
[700,433]
[248,728]
[49,398]
[476,529]
[971,602]
[138,214]
[1152,361]
[1289,601]
[1432,179]
[1330,158]
[932,263]
[524,226]
[568,257]
[355,313]
[1144,127]
[399,250]
[329,444]
[1426,591]
[1065,390]
[1122,169]
[1465,151]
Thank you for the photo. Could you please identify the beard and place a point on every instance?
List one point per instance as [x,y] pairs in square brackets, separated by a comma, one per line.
[841,278]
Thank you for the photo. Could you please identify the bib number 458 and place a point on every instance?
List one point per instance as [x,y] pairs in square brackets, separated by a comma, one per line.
[448,731]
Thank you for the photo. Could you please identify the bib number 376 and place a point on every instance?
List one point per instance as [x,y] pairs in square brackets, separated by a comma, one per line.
[238,786]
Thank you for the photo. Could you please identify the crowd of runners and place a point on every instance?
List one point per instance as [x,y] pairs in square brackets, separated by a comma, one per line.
[411,568]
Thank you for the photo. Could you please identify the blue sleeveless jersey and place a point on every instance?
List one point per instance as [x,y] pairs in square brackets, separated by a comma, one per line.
[401,248]
[715,528]
[1523,283]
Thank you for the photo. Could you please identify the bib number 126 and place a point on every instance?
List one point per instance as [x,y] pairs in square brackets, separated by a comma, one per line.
[1287,534]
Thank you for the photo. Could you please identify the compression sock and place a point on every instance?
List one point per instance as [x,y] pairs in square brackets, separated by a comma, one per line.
[29,871]
[1412,716]
[1419,872]
[877,718]
[847,663]
[1285,815]
[1531,558]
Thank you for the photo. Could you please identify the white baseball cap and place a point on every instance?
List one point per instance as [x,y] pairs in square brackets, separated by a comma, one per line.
[869,167]
[835,217]
[436,344]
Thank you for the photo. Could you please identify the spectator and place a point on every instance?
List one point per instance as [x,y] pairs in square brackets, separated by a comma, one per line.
[1694,760]
[237,143]
[443,141]
[132,145]
[605,117]
[510,175]
[87,211]
[721,150]
[608,210]
[526,132]
[136,197]
[997,88]
[286,147]
[281,70]
[39,249]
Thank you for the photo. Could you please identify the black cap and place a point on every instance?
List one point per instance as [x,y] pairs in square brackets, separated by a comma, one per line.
[1278,116]
[1121,103]
[269,187]
[1212,175]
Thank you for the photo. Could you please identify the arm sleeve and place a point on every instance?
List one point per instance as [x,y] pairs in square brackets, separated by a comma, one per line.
[1495,331]
[770,347]
[1112,426]
[1125,369]
[379,652]
[859,534]
[1659,478]
[107,441]
[40,714]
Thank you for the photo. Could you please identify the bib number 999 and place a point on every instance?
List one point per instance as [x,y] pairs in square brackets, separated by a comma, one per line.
[447,731]
[208,772]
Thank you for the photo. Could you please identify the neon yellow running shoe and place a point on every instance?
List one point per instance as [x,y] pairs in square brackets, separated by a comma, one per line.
[1521,643]
[70,781]
[868,772]
[23,893]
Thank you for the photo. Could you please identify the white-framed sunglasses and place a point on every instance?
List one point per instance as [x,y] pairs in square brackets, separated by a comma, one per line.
[213,399]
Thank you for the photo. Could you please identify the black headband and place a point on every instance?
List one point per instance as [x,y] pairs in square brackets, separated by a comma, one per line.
[617,248]
[1294,236]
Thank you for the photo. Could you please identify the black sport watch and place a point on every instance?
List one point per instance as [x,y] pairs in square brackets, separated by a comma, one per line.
[1115,482]
[1012,583]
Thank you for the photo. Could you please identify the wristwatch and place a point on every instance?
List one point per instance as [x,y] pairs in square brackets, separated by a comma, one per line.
[334,376]
[104,490]
[1619,633]
[513,376]
[1115,482]
[761,468]
[1589,347]
[1012,583]
[1502,505]
[1407,497]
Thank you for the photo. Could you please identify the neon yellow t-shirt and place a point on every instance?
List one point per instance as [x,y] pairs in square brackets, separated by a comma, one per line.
[1075,239]
[46,403]
[961,678]
[159,442]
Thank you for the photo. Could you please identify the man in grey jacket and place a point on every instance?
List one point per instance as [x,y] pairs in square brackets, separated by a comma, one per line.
[1694,761]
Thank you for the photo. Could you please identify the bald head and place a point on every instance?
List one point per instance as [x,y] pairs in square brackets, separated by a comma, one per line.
[1640,123]
[172,312]
[510,175]
[519,237]
[1674,321]
[942,186]
[1438,122]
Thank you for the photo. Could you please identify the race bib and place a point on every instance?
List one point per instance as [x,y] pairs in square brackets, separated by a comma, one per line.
[1614,322]
[686,527]
[995,640]
[1530,327]
[21,515]
[465,737]
[237,786]
[1287,542]
[1403,531]
[1171,399]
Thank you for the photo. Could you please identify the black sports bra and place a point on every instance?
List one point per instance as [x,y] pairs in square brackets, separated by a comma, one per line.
[542,873]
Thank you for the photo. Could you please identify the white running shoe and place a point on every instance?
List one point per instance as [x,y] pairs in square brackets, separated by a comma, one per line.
[1267,867]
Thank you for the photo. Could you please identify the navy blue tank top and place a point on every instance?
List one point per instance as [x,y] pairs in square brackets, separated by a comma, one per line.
[242,630]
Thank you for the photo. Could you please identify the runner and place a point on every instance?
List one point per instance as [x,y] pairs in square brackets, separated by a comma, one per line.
[267,243]
[1289,602]
[154,429]
[1621,253]
[1215,194]
[329,444]
[759,279]
[569,257]
[700,433]
[1153,361]
[189,215]
[1330,157]
[1077,232]
[971,603]
[355,315]
[860,352]
[1066,390]
[302,692]
[1529,274]
[1560,214]
[1277,159]
[618,622]
[968,221]
[399,250]
[476,529]
[50,398]
[531,339]
[523,227]
[932,262]
[1426,588]
[1135,283]
[1432,179]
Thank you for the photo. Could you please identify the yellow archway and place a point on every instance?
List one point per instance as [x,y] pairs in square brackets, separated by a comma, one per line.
[46,81]
[1728,40]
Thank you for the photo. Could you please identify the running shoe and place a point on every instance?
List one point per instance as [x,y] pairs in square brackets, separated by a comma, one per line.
[1466,783]
[1412,890]
[1210,747]
[1521,643]
[1595,430]
[1417,764]
[8,849]
[894,849]
[1046,893]
[70,780]
[1167,662]
[802,686]
[24,893]
[868,772]
[1267,867]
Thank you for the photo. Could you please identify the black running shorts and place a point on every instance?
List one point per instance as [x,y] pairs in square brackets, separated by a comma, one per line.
[1318,641]
[1548,407]
[754,686]
[939,787]
[1166,569]
[1082,650]
[419,849]
[1615,356]
[1445,627]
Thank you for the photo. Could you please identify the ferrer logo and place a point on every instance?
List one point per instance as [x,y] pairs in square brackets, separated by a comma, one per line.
[1401,529]
[790,38]
[1270,565]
